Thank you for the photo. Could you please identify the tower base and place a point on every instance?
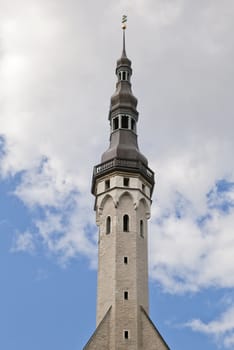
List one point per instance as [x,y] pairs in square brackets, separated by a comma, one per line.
[149,339]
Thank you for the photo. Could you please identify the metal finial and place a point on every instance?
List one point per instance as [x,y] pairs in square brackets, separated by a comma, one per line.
[124,26]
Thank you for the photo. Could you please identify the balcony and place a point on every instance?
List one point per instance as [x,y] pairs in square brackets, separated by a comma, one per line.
[123,165]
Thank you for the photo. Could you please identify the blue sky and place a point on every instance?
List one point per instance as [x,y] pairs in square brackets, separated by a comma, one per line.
[57,64]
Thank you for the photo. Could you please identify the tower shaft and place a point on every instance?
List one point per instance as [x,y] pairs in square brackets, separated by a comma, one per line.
[122,214]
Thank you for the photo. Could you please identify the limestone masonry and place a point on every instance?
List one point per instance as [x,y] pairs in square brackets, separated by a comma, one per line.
[123,185]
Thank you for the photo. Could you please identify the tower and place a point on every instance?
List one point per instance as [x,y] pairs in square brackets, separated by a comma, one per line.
[123,185]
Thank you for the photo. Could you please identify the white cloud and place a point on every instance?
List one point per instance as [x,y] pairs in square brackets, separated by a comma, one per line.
[57,75]
[45,186]
[221,329]
[190,252]
[68,233]
[24,242]
[229,341]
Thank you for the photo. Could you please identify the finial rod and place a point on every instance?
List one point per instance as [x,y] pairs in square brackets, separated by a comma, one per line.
[124,26]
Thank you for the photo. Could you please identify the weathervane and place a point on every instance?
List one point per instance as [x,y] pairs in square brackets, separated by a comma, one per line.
[124,21]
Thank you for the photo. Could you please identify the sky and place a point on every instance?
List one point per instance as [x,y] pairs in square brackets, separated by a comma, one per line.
[57,74]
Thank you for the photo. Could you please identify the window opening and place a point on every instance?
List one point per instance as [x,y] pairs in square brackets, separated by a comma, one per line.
[115,123]
[125,295]
[143,187]
[124,75]
[108,225]
[124,122]
[126,223]
[126,260]
[107,184]
[119,75]
[126,181]
[133,123]
[126,335]
[141,228]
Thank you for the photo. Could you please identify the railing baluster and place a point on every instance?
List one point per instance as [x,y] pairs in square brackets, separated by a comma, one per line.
[123,163]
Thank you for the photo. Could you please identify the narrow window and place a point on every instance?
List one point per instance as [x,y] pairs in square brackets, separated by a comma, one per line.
[141,228]
[143,187]
[126,223]
[126,335]
[133,124]
[107,184]
[125,295]
[126,260]
[126,181]
[119,75]
[124,75]
[115,123]
[124,122]
[108,225]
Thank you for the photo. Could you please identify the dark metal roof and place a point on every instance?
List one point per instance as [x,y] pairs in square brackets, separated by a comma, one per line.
[123,144]
[123,141]
[123,98]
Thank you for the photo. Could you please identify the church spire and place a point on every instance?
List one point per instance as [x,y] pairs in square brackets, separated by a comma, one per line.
[124,64]
[123,151]
[123,114]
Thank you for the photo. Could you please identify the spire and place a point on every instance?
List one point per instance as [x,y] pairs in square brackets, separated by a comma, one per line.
[123,152]
[123,114]
[123,100]
[124,61]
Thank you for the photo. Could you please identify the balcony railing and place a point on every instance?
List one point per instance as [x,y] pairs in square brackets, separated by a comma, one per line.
[125,165]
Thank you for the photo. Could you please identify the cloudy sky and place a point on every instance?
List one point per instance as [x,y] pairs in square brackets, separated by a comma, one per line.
[57,63]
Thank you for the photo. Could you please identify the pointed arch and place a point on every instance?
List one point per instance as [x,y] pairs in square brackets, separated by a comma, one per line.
[143,203]
[127,194]
[104,200]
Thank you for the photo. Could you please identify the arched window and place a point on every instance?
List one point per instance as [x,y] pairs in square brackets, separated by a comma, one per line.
[125,223]
[115,123]
[133,124]
[108,225]
[123,75]
[124,122]
[141,228]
